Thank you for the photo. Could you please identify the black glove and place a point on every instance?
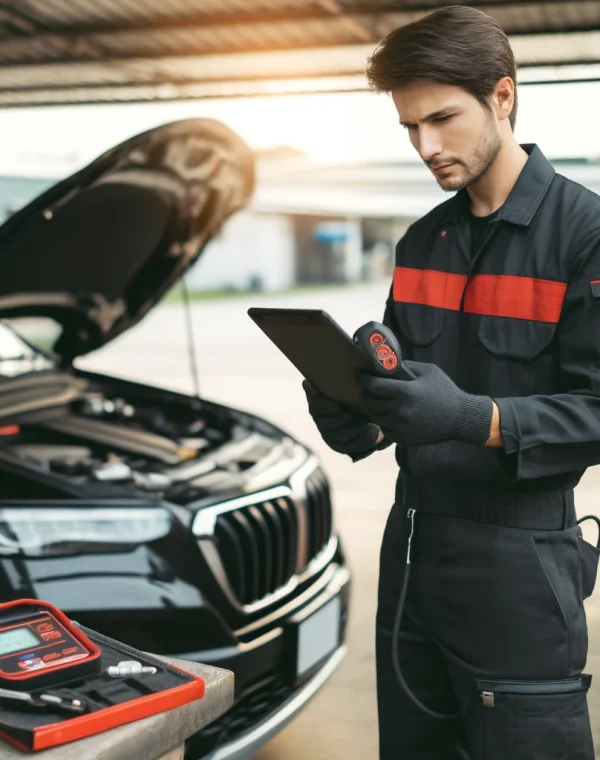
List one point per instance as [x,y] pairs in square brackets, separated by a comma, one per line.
[427,410]
[343,429]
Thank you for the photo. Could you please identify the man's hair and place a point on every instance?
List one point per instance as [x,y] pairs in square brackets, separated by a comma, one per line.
[456,45]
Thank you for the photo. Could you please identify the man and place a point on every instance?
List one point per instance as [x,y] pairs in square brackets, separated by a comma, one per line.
[496,305]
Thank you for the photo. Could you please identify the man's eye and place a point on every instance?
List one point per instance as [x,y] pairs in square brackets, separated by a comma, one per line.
[441,119]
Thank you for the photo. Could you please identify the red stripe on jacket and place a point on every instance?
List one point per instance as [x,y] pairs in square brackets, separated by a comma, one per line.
[487,295]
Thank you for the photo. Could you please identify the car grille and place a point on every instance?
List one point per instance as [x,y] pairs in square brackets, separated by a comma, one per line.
[263,545]
[318,507]
[256,705]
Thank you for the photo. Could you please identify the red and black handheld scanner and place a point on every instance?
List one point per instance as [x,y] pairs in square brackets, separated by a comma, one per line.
[381,346]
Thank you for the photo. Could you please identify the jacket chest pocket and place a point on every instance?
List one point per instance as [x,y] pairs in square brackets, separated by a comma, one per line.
[420,325]
[519,315]
[519,339]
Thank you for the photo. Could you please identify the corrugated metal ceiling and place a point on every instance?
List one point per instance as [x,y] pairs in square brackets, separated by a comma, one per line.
[58,51]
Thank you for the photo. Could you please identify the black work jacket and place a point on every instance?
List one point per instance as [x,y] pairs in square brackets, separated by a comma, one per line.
[518,321]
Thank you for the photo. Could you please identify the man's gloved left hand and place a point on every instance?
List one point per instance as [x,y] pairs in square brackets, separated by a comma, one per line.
[429,409]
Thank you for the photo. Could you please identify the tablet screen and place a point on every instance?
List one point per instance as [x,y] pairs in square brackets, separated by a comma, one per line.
[317,346]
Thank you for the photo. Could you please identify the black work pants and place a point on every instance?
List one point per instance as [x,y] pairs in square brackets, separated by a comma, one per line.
[486,604]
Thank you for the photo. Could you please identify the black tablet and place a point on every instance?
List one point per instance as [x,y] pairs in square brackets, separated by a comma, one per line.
[318,347]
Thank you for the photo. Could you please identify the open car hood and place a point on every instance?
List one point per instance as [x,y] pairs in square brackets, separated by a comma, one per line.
[96,251]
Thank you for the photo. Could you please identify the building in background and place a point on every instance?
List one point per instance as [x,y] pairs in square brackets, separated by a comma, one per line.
[318,223]
[311,223]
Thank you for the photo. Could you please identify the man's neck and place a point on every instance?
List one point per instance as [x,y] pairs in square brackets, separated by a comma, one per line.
[493,188]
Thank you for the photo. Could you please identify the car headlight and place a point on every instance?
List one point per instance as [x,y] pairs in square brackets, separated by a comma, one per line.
[43,532]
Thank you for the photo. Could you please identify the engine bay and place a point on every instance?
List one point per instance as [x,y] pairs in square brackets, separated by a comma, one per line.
[177,450]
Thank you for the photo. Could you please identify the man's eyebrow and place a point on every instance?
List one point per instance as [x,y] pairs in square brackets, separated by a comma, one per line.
[432,116]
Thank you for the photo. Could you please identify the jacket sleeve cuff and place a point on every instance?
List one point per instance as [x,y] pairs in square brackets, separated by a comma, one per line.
[520,434]
[509,424]
[518,424]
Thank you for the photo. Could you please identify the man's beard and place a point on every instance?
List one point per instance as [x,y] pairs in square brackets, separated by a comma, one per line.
[484,157]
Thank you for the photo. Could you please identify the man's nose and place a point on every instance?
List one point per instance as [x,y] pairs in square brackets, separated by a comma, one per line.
[429,144]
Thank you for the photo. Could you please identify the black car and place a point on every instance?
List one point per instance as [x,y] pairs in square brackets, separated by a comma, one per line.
[174,524]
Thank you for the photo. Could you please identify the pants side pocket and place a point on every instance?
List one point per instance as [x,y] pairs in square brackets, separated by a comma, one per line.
[536,720]
[589,556]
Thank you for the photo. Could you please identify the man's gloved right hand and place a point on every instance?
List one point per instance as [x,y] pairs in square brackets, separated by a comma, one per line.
[343,429]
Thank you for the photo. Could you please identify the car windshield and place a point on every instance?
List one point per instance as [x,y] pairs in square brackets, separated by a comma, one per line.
[17,356]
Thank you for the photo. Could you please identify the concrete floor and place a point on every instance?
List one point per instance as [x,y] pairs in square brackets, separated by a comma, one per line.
[240,367]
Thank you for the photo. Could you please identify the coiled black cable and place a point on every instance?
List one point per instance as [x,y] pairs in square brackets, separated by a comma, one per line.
[395,635]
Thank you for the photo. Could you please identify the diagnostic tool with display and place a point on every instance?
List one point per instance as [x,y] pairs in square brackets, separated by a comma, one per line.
[60,682]
[40,647]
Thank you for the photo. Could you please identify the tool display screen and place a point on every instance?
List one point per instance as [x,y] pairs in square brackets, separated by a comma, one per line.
[36,643]
[17,639]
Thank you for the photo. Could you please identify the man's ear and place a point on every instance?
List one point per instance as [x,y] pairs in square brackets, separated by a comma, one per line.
[503,98]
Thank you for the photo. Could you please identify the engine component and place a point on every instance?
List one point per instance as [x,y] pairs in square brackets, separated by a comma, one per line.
[118,437]
[190,470]
[152,481]
[196,444]
[34,392]
[97,405]
[115,470]
[51,452]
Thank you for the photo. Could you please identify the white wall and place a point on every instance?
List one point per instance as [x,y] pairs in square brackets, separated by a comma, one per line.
[250,244]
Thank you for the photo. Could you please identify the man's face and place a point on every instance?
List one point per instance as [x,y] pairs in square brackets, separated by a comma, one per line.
[453,133]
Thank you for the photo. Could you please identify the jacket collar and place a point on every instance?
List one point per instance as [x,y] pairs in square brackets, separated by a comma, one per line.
[525,197]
